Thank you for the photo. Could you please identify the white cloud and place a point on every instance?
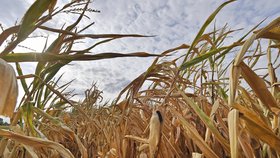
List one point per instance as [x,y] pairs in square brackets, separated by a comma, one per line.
[12,11]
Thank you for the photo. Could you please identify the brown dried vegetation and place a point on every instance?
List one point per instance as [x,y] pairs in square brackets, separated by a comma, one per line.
[211,106]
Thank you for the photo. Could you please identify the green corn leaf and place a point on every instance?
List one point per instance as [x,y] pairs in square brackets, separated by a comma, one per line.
[37,57]
[28,117]
[31,17]
[22,80]
[203,57]
[204,26]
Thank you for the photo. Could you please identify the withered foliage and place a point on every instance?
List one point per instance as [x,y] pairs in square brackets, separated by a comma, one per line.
[197,104]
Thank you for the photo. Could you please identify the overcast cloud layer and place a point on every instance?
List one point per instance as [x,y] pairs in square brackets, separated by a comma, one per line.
[173,21]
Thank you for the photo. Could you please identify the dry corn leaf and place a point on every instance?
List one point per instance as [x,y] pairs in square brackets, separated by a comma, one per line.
[214,109]
[271,31]
[261,132]
[31,151]
[192,133]
[178,134]
[244,49]
[233,80]
[212,115]
[233,122]
[271,71]
[81,147]
[257,108]
[36,142]
[207,121]
[6,153]
[249,113]
[245,143]
[258,85]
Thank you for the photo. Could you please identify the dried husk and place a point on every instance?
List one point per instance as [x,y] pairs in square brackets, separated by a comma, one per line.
[8,89]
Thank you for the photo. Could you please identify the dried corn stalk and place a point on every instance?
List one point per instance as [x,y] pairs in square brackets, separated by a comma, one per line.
[8,89]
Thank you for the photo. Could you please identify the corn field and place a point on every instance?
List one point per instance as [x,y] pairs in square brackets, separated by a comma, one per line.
[197,104]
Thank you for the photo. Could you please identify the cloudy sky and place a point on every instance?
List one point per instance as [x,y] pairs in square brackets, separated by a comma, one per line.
[174,22]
